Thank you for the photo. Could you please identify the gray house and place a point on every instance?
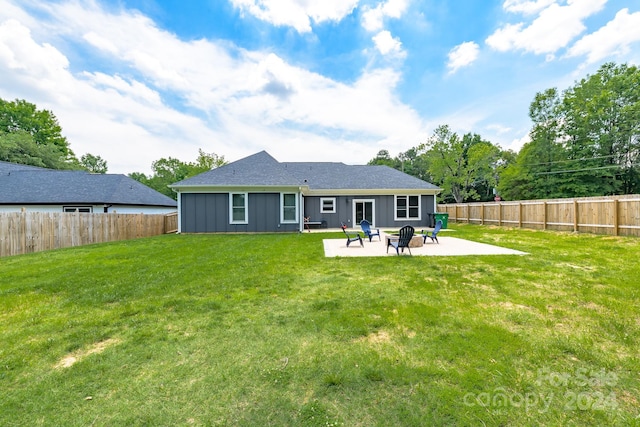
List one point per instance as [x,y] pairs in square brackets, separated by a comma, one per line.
[46,190]
[260,194]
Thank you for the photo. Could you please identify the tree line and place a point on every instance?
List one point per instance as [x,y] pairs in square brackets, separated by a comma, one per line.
[33,137]
[584,141]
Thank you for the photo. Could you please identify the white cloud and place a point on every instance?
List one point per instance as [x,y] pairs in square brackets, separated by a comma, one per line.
[29,57]
[373,18]
[100,43]
[462,55]
[526,7]
[553,29]
[613,39]
[296,13]
[518,143]
[498,129]
[388,45]
[239,101]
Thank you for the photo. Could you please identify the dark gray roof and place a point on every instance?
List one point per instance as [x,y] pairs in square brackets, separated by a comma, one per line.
[6,167]
[30,185]
[261,169]
[339,176]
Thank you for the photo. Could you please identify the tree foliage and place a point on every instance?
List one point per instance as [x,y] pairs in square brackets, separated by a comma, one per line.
[466,167]
[584,142]
[167,171]
[32,136]
[93,164]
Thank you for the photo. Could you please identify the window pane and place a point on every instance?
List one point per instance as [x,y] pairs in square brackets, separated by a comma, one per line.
[238,200]
[413,212]
[413,201]
[290,200]
[327,205]
[290,214]
[238,214]
[401,206]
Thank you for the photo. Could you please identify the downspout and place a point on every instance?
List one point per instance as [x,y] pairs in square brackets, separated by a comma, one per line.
[301,212]
[179,212]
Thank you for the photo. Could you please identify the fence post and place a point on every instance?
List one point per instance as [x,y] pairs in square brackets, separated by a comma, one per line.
[616,224]
[520,215]
[575,216]
[482,214]
[544,215]
[499,214]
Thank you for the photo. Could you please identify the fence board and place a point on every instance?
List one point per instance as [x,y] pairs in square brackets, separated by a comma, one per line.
[26,232]
[613,215]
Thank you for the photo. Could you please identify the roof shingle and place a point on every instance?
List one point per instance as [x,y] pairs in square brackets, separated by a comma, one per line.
[21,184]
[261,169]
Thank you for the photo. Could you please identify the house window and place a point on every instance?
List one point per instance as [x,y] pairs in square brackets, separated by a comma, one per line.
[408,208]
[82,209]
[238,205]
[289,205]
[328,205]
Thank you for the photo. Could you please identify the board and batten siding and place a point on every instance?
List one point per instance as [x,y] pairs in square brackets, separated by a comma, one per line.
[384,211]
[209,213]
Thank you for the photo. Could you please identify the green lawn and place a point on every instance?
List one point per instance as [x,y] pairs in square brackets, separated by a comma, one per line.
[262,330]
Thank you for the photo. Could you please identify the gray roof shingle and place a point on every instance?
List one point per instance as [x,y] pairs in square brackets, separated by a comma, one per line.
[21,184]
[261,169]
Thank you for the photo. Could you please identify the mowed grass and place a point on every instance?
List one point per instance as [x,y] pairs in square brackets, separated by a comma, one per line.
[263,330]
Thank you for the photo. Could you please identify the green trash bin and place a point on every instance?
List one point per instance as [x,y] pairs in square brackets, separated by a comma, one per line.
[442,216]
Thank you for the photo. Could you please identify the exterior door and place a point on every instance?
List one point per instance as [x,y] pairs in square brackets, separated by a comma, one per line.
[363,209]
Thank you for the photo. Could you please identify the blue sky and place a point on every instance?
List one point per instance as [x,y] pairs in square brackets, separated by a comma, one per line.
[331,80]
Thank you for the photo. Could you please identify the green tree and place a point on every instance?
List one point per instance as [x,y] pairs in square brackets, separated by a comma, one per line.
[94,164]
[601,127]
[414,162]
[20,147]
[584,142]
[206,162]
[21,116]
[464,167]
[537,170]
[384,158]
[167,171]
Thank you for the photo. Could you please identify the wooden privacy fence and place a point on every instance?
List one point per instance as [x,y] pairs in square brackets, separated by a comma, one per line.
[26,232]
[614,215]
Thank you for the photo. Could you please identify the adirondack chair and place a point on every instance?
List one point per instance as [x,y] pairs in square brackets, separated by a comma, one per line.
[351,237]
[434,234]
[402,241]
[366,229]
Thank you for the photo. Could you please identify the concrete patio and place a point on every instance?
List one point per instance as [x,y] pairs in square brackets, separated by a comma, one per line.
[448,246]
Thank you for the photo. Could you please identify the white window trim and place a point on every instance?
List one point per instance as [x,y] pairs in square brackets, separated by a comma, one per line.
[296,216]
[333,205]
[407,196]
[246,209]
[373,209]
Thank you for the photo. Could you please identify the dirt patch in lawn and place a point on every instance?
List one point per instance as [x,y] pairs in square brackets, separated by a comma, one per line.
[71,359]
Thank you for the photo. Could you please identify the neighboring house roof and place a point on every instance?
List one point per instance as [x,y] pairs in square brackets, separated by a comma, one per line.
[21,184]
[6,167]
[261,169]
